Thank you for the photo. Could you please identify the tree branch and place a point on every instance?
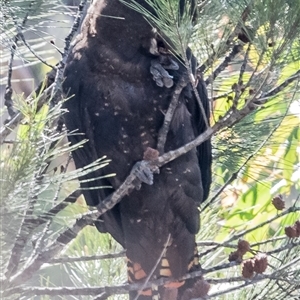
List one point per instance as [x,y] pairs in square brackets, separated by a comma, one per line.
[129,184]
[244,232]
[66,260]
[227,60]
[235,174]
[24,231]
[278,89]
[22,37]
[225,46]
[123,289]
[8,90]
[52,250]
[56,91]
[163,132]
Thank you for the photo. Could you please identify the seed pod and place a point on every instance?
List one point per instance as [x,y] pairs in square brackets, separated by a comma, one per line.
[290,231]
[260,263]
[243,246]
[248,268]
[297,226]
[235,256]
[201,288]
[278,202]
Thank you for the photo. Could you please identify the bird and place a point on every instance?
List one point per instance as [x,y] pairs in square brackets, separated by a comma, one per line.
[120,79]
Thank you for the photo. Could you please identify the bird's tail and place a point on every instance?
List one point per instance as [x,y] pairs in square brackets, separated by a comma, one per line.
[171,290]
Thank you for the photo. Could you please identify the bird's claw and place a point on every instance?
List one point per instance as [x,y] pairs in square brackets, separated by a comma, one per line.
[143,172]
[158,70]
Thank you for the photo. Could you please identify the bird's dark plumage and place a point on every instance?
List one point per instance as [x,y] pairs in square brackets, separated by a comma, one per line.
[119,108]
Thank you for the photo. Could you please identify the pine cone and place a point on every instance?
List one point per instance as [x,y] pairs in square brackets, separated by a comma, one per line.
[260,263]
[248,268]
[235,256]
[278,202]
[243,246]
[297,226]
[291,231]
[199,290]
[187,295]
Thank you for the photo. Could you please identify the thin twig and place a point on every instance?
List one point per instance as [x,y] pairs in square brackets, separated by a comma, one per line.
[234,246]
[225,46]
[8,90]
[272,240]
[21,35]
[288,246]
[225,63]
[163,132]
[66,260]
[24,232]
[244,232]
[224,95]
[239,85]
[55,210]
[234,175]
[51,251]
[211,243]
[39,243]
[278,89]
[56,91]
[244,64]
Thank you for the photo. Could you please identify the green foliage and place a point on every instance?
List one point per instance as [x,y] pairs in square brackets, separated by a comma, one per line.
[103,272]
[30,185]
[176,30]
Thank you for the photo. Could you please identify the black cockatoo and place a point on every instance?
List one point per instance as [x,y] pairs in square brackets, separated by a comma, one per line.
[120,88]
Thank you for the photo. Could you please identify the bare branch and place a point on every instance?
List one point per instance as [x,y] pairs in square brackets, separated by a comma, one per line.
[8,91]
[50,252]
[235,174]
[22,37]
[66,260]
[24,231]
[163,132]
[278,89]
[56,91]
[244,232]
[226,45]
[227,60]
